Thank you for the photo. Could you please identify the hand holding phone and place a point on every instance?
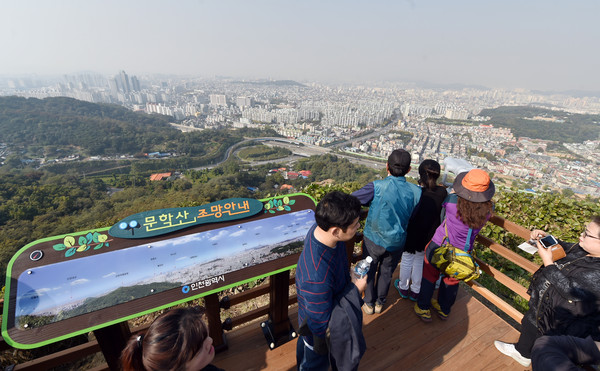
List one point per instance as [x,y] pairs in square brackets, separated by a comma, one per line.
[535,235]
[550,244]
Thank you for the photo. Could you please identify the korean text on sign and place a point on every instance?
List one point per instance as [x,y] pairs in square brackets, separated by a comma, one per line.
[229,208]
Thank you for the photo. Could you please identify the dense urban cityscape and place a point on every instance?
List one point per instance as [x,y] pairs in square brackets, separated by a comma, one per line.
[369,120]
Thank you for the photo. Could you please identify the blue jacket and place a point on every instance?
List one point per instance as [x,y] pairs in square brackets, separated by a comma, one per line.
[391,205]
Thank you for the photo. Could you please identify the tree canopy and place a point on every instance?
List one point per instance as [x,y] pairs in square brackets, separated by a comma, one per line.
[95,129]
[546,124]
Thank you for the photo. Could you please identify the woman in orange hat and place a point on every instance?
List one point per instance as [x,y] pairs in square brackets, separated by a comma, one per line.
[466,212]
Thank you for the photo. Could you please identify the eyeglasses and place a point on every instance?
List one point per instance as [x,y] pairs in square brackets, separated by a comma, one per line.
[586,234]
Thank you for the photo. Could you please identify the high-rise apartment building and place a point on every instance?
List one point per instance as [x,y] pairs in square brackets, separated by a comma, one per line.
[243,102]
[218,99]
[124,81]
[135,83]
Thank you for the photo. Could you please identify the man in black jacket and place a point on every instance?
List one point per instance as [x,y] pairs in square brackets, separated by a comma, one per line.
[346,341]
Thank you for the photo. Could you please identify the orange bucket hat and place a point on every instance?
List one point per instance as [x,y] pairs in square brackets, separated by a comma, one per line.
[474,185]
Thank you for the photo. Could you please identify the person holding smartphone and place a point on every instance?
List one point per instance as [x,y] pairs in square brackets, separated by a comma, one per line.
[565,294]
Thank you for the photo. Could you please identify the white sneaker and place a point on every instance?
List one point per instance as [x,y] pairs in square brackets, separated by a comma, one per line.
[512,352]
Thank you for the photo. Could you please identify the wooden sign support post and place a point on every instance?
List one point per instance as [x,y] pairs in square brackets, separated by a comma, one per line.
[278,328]
[112,341]
[213,317]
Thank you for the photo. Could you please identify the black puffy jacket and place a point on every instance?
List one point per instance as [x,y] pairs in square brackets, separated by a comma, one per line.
[565,296]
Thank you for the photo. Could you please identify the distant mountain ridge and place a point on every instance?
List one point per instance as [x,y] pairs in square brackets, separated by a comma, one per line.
[571,93]
[118,296]
[271,82]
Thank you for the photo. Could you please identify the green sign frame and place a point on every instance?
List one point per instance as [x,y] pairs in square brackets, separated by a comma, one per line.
[271,244]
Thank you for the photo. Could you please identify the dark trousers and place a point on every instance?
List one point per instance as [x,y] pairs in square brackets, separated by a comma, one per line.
[384,263]
[554,353]
[529,334]
[448,286]
[308,360]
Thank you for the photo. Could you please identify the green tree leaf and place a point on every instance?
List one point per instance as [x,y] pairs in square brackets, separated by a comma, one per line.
[59,247]
[70,252]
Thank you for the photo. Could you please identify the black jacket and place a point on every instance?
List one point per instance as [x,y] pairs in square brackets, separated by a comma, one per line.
[425,219]
[565,296]
[346,341]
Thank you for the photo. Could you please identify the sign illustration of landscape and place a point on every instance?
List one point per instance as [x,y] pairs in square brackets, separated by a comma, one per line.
[62,286]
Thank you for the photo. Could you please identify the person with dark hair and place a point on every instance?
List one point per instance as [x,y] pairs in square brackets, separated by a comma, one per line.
[466,212]
[420,230]
[564,295]
[176,340]
[323,278]
[391,203]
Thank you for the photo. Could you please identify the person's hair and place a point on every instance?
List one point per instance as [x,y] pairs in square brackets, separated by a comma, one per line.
[170,342]
[596,220]
[396,172]
[398,163]
[337,209]
[473,214]
[429,172]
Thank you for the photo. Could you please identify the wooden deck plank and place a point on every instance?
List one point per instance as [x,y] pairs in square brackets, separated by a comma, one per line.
[440,339]
[396,340]
[476,350]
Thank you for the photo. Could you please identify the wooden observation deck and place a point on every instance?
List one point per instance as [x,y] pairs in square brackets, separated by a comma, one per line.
[396,340]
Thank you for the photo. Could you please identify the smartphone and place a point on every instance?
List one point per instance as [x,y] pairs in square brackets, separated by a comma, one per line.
[548,241]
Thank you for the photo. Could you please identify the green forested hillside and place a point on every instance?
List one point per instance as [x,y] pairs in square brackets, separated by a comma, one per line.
[334,167]
[52,124]
[54,128]
[568,127]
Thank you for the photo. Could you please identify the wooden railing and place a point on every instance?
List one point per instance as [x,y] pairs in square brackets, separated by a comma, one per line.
[277,287]
[501,277]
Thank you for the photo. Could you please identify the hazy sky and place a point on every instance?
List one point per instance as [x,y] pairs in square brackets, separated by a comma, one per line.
[535,44]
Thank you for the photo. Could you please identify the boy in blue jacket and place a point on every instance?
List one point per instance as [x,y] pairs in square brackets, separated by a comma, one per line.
[391,203]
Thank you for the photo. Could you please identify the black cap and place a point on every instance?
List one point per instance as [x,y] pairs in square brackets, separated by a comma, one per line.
[399,162]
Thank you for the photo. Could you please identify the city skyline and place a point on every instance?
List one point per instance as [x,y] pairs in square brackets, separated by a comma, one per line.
[534,45]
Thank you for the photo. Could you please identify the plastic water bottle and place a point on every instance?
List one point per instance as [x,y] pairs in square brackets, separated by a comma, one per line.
[362,267]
